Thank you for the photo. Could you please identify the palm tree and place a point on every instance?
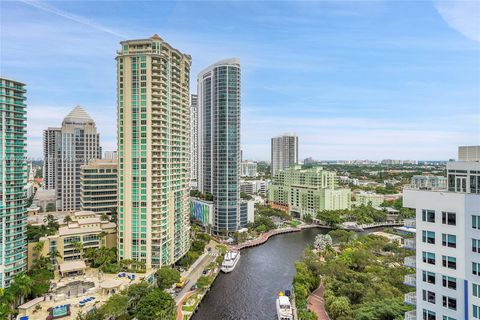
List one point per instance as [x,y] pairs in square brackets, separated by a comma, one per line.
[53,255]
[21,287]
[67,219]
[104,257]
[90,255]
[37,249]
[102,236]
[78,246]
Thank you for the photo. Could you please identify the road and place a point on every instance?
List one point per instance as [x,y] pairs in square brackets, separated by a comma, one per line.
[195,272]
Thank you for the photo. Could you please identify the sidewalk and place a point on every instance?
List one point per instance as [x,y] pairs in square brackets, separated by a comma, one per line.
[195,270]
[316,303]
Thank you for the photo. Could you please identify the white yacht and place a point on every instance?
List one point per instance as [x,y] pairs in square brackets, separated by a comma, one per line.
[230,261]
[284,308]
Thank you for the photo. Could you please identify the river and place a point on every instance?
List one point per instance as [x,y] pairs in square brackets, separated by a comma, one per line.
[249,291]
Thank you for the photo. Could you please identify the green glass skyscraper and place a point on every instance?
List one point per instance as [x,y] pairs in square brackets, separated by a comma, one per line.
[13,178]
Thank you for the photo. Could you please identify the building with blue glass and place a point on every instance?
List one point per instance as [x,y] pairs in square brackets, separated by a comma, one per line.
[219,142]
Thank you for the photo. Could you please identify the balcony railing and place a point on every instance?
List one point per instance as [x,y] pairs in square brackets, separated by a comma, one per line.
[410,223]
[411,298]
[410,262]
[410,280]
[411,315]
[409,244]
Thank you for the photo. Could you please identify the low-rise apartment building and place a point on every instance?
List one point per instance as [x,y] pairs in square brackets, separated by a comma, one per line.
[307,191]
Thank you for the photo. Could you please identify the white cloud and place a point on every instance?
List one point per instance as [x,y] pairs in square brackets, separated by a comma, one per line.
[67,15]
[463,16]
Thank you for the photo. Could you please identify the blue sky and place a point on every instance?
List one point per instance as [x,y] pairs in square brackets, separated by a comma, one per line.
[355,80]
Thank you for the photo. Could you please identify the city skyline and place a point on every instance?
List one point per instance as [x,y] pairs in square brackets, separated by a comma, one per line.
[319,85]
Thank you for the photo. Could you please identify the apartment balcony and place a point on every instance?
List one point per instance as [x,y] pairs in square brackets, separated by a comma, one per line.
[410,223]
[410,280]
[410,262]
[411,315]
[409,244]
[411,298]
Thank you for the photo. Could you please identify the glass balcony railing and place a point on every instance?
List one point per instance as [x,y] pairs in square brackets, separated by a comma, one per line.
[410,262]
[409,244]
[411,298]
[411,315]
[410,280]
[410,223]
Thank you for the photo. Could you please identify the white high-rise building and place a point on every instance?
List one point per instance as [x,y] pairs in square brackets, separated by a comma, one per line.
[248,169]
[193,140]
[51,137]
[79,143]
[284,152]
[447,245]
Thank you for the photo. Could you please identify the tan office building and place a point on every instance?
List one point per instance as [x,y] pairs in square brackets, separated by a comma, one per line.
[98,184]
[153,151]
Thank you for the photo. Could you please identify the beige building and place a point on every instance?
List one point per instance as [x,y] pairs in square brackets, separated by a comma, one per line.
[98,184]
[86,228]
[153,151]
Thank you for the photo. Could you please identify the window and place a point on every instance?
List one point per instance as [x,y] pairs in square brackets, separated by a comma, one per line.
[428,296]
[475,222]
[476,312]
[448,318]
[449,282]
[449,262]
[476,245]
[476,268]
[428,215]
[476,290]
[449,218]
[429,315]
[449,240]
[428,277]
[428,257]
[450,303]
[428,237]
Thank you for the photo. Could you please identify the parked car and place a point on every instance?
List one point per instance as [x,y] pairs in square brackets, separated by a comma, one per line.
[193,287]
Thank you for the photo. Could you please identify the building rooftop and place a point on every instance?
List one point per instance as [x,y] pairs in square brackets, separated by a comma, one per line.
[71,266]
[78,114]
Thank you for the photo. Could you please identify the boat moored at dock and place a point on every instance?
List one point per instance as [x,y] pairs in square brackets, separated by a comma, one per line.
[230,261]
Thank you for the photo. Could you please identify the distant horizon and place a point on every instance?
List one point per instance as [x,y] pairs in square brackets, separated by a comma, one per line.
[354,80]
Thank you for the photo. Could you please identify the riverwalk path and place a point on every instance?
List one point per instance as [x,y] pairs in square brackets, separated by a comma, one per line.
[316,303]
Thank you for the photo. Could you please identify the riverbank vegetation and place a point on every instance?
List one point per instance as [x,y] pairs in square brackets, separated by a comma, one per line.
[363,278]
[197,247]
[362,214]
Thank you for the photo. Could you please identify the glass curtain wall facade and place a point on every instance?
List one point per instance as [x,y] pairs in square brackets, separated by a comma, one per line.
[153,151]
[219,144]
[13,178]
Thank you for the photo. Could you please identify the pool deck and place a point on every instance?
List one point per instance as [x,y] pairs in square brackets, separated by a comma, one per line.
[91,275]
